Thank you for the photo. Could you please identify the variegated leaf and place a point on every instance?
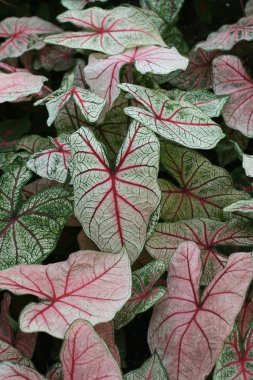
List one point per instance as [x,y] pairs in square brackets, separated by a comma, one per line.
[152,369]
[33,143]
[77,4]
[242,206]
[166,9]
[58,58]
[11,371]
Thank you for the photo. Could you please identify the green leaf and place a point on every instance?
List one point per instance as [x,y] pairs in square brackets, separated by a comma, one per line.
[33,143]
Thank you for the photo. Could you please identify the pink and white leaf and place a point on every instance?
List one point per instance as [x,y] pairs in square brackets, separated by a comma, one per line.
[106,332]
[103,75]
[114,205]
[89,285]
[108,31]
[22,35]
[77,4]
[18,85]
[12,354]
[245,316]
[52,163]
[152,369]
[229,35]
[85,356]
[188,331]
[230,78]
[58,58]
[178,121]
[243,206]
[11,371]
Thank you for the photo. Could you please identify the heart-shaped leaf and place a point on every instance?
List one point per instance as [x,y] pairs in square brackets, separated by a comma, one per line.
[203,189]
[229,35]
[77,4]
[29,230]
[85,356]
[152,369]
[22,35]
[89,285]
[114,205]
[230,78]
[52,163]
[144,294]
[178,121]
[109,31]
[103,74]
[188,331]
[208,234]
[10,370]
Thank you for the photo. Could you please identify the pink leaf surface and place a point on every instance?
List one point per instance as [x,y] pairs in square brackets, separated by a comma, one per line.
[114,205]
[106,332]
[85,356]
[12,354]
[198,73]
[58,58]
[103,75]
[230,78]
[188,331]
[108,31]
[22,35]
[229,35]
[89,285]
[18,85]
[246,315]
[11,371]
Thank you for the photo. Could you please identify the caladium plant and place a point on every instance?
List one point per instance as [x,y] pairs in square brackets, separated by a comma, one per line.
[126,159]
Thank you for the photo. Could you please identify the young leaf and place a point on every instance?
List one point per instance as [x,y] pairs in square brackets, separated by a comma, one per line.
[77,4]
[243,206]
[178,121]
[152,369]
[198,74]
[203,189]
[166,9]
[144,294]
[52,163]
[230,78]
[114,205]
[18,85]
[229,35]
[29,230]
[188,331]
[208,234]
[11,371]
[89,285]
[22,35]
[85,356]
[103,75]
[108,31]
[235,361]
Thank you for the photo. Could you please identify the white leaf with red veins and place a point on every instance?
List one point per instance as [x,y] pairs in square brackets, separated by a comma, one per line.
[22,35]
[84,355]
[52,163]
[12,354]
[89,104]
[152,369]
[198,73]
[209,235]
[77,4]
[188,331]
[108,31]
[13,371]
[243,206]
[114,205]
[230,78]
[229,35]
[103,75]
[179,121]
[18,85]
[89,285]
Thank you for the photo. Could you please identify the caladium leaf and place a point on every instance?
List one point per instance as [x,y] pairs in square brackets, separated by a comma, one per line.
[89,104]
[103,74]
[85,356]
[247,163]
[33,143]
[203,189]
[114,205]
[10,370]
[106,332]
[89,285]
[209,235]
[58,58]
[238,111]
[152,369]
[77,4]
[11,354]
[198,74]
[31,227]
[229,35]
[55,373]
[245,316]
[18,85]
[235,361]
[243,206]
[7,158]
[249,8]
[108,31]
[144,294]
[178,121]
[166,9]
[22,35]
[188,331]
[52,163]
